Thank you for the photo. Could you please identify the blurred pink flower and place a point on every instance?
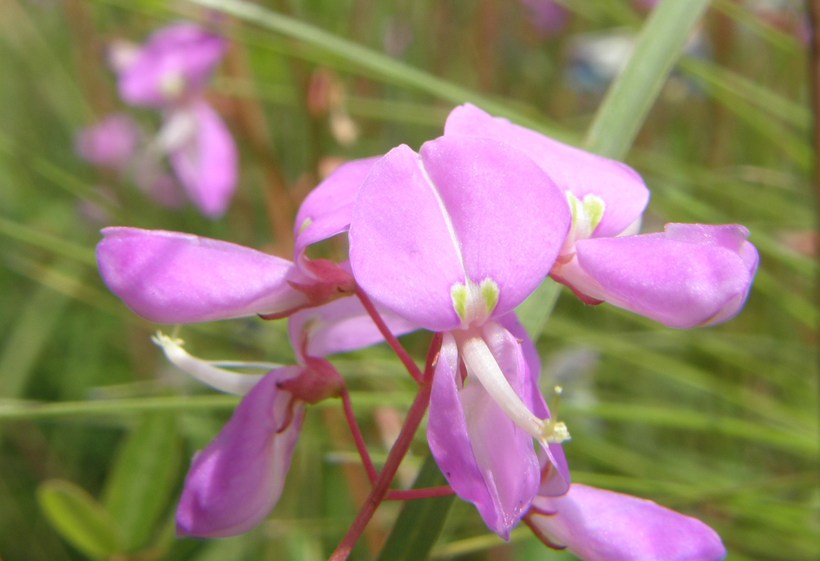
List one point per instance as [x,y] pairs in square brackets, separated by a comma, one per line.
[111,143]
[170,73]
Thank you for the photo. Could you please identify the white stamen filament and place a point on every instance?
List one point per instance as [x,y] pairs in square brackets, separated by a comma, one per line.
[208,372]
[481,363]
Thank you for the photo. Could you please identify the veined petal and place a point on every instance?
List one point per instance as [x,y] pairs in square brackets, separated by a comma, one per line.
[238,479]
[206,164]
[507,214]
[485,457]
[327,210]
[622,189]
[401,250]
[340,326]
[682,278]
[174,63]
[467,212]
[170,277]
[599,525]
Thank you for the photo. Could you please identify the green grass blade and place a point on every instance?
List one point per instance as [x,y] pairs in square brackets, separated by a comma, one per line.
[369,60]
[628,100]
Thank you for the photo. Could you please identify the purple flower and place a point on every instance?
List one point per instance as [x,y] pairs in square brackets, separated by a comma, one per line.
[170,72]
[599,525]
[453,239]
[689,275]
[111,143]
[170,277]
[237,480]
[202,155]
[174,65]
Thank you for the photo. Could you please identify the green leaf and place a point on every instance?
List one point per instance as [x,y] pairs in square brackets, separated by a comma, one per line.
[420,521]
[628,100]
[139,487]
[79,518]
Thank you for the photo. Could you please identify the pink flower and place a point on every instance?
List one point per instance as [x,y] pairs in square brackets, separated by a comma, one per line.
[170,72]
[236,481]
[172,277]
[174,65]
[599,525]
[453,239]
[689,275]
[111,143]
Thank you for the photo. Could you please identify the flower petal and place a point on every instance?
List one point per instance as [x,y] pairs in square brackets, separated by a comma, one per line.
[238,479]
[170,277]
[508,216]
[174,63]
[401,251]
[599,525]
[485,457]
[690,275]
[572,169]
[466,209]
[206,164]
[327,210]
[110,143]
[556,479]
[341,326]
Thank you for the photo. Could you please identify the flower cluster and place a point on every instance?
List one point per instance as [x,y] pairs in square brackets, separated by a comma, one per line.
[169,74]
[450,239]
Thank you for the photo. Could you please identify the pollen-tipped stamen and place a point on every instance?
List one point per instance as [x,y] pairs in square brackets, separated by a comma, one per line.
[481,363]
[555,431]
[208,372]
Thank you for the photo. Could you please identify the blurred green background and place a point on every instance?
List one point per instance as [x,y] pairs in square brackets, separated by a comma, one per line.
[97,429]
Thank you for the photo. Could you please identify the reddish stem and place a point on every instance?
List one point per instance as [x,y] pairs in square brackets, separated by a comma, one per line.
[389,337]
[358,438]
[423,493]
[382,485]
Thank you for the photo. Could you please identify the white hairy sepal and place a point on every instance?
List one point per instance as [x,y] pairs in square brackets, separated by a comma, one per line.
[209,372]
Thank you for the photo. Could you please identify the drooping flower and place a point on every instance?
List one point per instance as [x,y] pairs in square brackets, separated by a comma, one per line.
[170,73]
[689,275]
[237,480]
[600,525]
[453,239]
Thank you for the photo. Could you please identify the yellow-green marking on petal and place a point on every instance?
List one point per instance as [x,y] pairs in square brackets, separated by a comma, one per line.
[474,303]
[305,224]
[586,214]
